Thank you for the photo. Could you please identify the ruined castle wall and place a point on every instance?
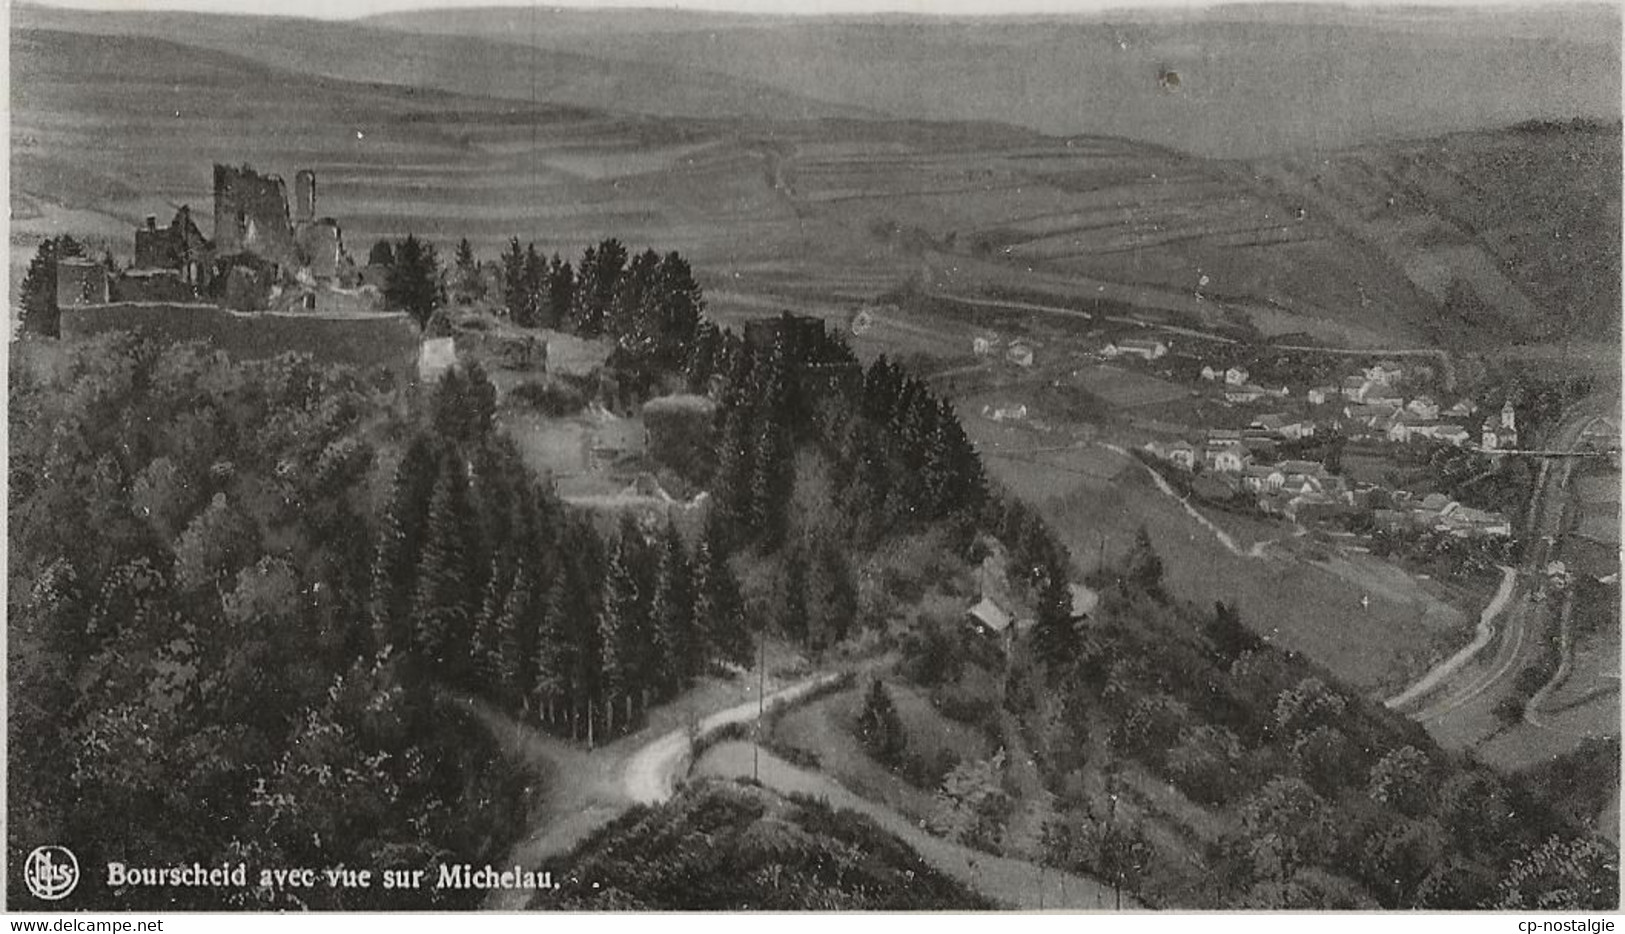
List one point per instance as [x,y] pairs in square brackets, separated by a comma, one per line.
[251,215]
[386,341]
[80,282]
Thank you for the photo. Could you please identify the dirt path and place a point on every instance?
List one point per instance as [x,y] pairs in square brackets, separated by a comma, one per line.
[1224,538]
[1448,667]
[582,790]
[1011,882]
[650,775]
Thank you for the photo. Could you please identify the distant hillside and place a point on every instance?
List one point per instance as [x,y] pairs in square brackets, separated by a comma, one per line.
[825,214]
[1252,81]
[467,65]
[722,846]
[1516,233]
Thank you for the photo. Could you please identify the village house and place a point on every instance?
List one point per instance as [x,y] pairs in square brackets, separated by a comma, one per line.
[985,345]
[1009,411]
[1462,409]
[1384,372]
[1378,395]
[1320,395]
[1243,394]
[1143,348]
[1283,426]
[1465,522]
[1260,478]
[1236,376]
[1354,388]
[1181,453]
[1423,407]
[862,321]
[1209,373]
[1226,459]
[1021,354]
[1368,415]
[990,618]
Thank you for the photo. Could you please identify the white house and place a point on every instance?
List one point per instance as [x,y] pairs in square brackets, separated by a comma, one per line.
[1384,372]
[1183,454]
[1243,394]
[1020,354]
[1354,388]
[1227,459]
[1320,395]
[1209,373]
[983,345]
[1236,376]
[1261,478]
[1423,407]
[1009,411]
[1138,347]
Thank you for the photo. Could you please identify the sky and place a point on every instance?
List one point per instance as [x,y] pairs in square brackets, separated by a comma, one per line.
[342,9]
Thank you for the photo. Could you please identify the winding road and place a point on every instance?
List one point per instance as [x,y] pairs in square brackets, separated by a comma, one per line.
[1462,711]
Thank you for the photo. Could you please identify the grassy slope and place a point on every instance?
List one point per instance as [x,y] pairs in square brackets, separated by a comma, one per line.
[1528,222]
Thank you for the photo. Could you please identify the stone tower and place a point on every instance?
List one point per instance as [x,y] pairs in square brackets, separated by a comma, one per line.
[304,197]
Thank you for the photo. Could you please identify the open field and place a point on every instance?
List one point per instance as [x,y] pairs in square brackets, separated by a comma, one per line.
[1299,604]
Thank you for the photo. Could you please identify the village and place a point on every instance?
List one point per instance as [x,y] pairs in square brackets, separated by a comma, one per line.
[1304,436]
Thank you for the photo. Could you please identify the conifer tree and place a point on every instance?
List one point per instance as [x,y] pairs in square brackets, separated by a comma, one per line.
[718,607]
[561,293]
[469,283]
[485,650]
[39,313]
[515,634]
[514,291]
[399,543]
[618,631]
[441,606]
[535,288]
[880,729]
[1055,636]
[414,280]
[678,652]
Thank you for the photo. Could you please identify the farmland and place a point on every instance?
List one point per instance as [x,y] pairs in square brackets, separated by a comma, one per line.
[819,208]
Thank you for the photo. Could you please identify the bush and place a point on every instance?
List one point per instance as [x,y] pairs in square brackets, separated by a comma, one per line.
[880,729]
[552,398]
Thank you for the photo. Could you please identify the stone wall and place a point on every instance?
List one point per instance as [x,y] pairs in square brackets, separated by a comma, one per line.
[80,282]
[386,341]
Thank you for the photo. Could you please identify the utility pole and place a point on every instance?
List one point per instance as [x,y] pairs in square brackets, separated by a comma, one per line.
[761,705]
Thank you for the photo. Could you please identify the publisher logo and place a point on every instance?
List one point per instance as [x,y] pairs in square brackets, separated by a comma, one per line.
[51,872]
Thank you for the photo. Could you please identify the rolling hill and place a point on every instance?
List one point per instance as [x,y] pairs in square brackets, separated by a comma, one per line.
[820,209]
[1252,81]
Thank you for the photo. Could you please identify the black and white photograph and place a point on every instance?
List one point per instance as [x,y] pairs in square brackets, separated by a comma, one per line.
[484,456]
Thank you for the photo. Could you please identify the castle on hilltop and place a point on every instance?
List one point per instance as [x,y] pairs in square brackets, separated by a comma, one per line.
[263,255]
